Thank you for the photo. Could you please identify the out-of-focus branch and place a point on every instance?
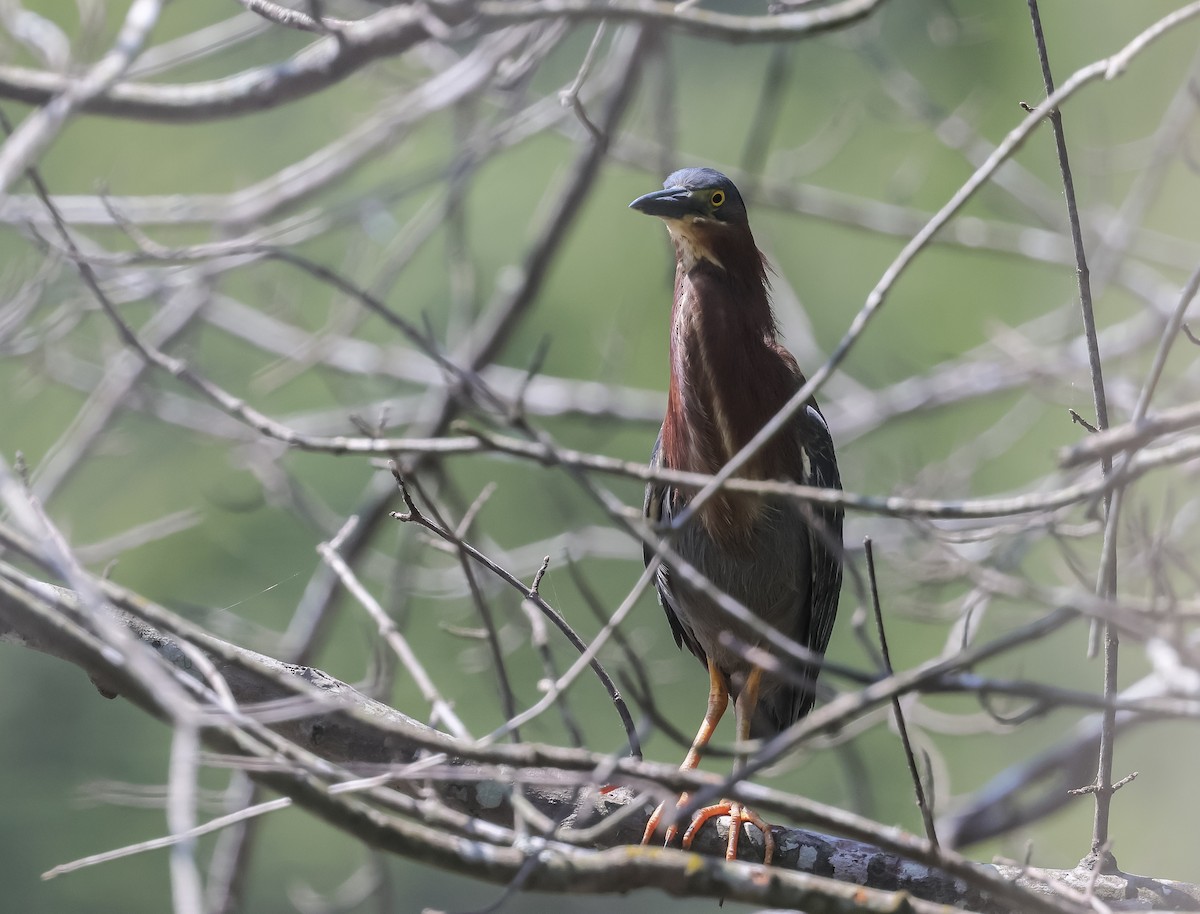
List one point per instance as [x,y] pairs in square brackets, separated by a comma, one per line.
[347,46]
[325,62]
[701,22]
[1132,436]
[1033,789]
[35,134]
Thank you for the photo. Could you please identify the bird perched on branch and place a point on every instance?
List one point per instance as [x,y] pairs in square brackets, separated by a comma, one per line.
[779,558]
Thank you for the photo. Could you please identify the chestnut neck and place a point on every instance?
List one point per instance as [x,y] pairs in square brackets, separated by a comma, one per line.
[729,375]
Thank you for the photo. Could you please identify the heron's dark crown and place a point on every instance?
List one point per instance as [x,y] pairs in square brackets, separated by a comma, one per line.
[695,193]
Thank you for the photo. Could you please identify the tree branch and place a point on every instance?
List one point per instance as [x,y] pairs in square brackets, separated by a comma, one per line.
[323,718]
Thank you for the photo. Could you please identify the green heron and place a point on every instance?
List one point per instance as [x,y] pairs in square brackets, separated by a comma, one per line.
[779,558]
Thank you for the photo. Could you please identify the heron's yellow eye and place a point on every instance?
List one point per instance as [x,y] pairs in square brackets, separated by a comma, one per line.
[717,198]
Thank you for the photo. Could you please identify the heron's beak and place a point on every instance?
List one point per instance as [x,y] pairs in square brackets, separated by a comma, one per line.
[668,203]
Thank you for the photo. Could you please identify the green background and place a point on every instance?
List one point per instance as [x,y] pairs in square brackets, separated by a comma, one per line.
[849,124]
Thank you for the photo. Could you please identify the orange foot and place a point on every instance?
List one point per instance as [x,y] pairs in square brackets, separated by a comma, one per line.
[738,814]
[656,820]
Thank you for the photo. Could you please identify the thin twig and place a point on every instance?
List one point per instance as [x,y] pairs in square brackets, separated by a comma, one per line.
[413,514]
[923,804]
[508,700]
[1106,584]
[441,709]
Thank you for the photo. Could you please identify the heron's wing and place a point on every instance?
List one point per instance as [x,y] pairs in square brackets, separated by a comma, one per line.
[657,509]
[825,526]
[821,565]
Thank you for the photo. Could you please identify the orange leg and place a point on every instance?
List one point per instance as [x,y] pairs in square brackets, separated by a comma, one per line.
[718,700]
[743,710]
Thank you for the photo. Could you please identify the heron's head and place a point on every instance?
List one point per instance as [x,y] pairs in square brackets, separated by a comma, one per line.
[705,215]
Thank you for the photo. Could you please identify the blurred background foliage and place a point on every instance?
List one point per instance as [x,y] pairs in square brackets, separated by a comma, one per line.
[865,113]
